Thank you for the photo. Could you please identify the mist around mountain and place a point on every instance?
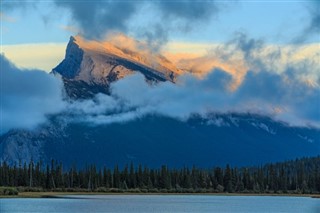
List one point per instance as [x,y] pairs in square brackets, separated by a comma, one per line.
[123,106]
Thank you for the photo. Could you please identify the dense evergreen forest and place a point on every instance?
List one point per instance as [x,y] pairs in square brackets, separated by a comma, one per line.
[296,176]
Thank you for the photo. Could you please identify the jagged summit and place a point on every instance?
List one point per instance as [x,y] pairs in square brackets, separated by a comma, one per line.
[100,63]
[70,66]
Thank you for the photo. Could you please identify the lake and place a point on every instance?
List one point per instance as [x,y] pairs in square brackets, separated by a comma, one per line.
[160,203]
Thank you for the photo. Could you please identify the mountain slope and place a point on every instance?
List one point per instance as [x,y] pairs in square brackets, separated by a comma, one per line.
[237,139]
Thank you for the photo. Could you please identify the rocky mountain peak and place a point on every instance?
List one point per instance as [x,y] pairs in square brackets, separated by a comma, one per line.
[101,63]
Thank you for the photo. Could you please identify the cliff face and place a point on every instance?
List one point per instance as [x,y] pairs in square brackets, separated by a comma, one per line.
[70,66]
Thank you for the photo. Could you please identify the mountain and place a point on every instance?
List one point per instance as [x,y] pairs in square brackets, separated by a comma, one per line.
[237,139]
[89,67]
[93,65]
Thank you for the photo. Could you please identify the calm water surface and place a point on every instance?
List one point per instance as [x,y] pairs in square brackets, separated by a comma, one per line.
[161,203]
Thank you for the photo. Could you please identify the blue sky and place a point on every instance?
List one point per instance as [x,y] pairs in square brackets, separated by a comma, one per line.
[274,21]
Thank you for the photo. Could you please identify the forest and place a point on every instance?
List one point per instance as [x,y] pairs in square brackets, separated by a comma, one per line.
[298,176]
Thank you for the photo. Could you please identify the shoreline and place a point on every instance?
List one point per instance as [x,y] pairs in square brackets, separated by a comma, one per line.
[59,195]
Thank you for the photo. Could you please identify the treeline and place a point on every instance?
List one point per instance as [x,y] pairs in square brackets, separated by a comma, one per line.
[296,176]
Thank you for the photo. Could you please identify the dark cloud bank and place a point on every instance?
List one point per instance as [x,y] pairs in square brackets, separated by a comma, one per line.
[312,27]
[97,18]
[27,96]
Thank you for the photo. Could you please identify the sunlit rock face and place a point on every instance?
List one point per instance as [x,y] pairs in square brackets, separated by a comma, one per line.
[90,66]
[100,63]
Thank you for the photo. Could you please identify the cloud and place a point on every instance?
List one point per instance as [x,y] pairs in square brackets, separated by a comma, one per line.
[95,18]
[7,5]
[242,54]
[27,97]
[98,18]
[277,81]
[70,29]
[265,93]
[126,42]
[281,82]
[298,102]
[132,97]
[261,92]
[156,36]
[188,11]
[177,16]
[313,26]
[244,75]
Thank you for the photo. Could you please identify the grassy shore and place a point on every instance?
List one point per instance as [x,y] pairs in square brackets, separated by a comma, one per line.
[34,192]
[63,194]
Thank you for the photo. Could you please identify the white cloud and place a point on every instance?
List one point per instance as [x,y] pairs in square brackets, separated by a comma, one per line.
[282,82]
[262,93]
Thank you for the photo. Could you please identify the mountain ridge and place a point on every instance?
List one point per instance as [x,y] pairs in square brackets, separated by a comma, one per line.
[237,139]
